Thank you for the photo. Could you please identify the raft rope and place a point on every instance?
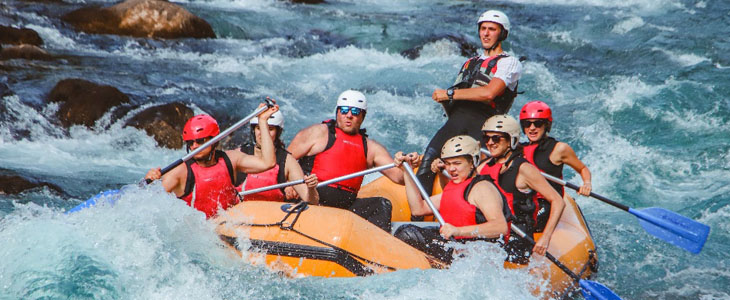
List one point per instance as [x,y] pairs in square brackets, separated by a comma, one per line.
[299,208]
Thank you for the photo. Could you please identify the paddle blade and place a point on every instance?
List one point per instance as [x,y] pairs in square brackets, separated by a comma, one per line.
[594,290]
[109,196]
[673,228]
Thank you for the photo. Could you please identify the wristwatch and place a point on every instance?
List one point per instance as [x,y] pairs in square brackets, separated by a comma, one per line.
[450,93]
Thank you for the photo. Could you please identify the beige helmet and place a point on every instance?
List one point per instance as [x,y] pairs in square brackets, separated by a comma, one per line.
[461,145]
[505,124]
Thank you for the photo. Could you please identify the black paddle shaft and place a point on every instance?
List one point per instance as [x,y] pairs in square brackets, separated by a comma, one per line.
[547,254]
[577,188]
[599,197]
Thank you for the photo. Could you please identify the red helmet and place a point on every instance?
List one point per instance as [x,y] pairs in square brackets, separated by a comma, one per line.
[200,126]
[536,110]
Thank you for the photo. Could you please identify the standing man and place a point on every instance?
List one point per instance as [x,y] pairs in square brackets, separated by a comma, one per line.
[206,182]
[339,147]
[485,86]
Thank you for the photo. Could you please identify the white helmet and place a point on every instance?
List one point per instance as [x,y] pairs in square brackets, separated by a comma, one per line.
[498,17]
[352,98]
[461,145]
[505,124]
[276,119]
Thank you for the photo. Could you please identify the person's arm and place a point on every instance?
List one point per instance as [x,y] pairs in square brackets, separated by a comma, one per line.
[531,176]
[268,152]
[437,166]
[485,93]
[416,203]
[509,70]
[566,155]
[488,200]
[379,156]
[303,144]
[173,181]
[308,190]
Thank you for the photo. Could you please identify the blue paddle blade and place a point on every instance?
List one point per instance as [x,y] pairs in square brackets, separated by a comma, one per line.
[594,290]
[673,228]
[109,196]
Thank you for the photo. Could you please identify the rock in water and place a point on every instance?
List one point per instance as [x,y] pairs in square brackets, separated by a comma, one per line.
[141,18]
[17,36]
[25,52]
[164,123]
[83,102]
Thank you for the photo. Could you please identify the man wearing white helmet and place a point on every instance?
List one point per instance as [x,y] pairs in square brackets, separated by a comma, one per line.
[485,86]
[286,168]
[518,181]
[340,147]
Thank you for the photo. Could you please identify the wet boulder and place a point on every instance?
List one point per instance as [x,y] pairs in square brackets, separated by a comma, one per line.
[83,102]
[466,48]
[17,36]
[14,184]
[140,18]
[164,123]
[24,51]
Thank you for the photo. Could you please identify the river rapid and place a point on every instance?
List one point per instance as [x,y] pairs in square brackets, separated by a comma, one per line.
[639,88]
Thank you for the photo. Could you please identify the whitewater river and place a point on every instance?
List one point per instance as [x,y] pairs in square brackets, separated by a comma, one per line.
[639,88]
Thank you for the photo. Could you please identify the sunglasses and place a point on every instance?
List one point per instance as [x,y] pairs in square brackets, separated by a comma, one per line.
[538,123]
[495,138]
[346,109]
[199,141]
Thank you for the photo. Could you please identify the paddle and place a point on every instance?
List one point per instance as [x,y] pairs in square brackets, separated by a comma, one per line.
[113,195]
[590,289]
[321,184]
[667,225]
[424,195]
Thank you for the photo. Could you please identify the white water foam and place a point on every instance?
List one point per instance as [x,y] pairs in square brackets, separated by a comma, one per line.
[641,5]
[628,25]
[684,59]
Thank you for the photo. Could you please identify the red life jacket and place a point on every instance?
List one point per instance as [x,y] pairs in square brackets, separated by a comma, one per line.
[538,154]
[275,175]
[344,154]
[455,208]
[208,189]
[521,205]
[478,72]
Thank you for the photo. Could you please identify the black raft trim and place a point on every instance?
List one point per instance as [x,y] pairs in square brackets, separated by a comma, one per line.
[338,256]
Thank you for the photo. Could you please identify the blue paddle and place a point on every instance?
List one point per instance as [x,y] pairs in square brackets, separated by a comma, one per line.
[590,289]
[667,225]
[112,195]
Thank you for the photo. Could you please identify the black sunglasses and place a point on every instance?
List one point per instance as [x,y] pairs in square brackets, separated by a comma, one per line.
[538,123]
[495,138]
[199,141]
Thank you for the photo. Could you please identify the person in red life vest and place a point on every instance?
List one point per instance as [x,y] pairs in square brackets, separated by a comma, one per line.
[485,86]
[518,181]
[286,168]
[472,207]
[206,182]
[340,147]
[548,154]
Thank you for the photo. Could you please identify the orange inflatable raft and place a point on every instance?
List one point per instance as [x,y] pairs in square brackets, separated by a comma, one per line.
[303,240]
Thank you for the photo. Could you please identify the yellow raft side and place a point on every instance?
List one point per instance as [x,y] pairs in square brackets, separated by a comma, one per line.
[571,242]
[375,251]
